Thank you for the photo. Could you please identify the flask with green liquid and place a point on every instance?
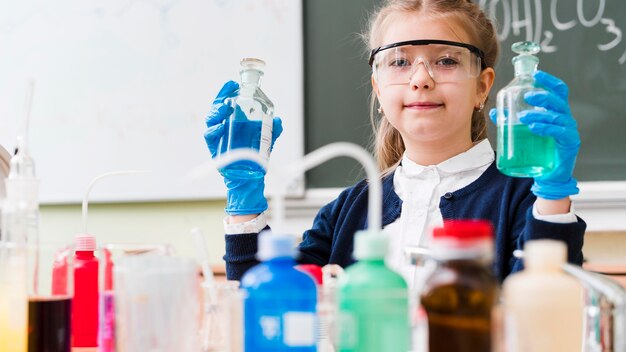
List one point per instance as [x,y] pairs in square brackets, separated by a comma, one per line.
[521,153]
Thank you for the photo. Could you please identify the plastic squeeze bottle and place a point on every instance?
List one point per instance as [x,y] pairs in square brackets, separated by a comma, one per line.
[461,294]
[250,124]
[279,300]
[373,301]
[543,306]
[85,303]
[521,153]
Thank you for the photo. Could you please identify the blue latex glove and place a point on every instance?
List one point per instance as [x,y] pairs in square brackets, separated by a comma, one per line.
[556,122]
[244,196]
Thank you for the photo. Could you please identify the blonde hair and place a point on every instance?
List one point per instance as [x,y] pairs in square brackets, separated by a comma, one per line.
[387,143]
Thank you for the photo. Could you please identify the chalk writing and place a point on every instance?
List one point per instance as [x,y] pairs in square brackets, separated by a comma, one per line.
[525,19]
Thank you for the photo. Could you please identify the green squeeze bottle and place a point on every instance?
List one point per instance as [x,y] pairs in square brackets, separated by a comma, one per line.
[521,153]
[373,301]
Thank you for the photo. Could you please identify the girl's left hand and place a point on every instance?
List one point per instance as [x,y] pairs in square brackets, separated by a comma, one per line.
[556,122]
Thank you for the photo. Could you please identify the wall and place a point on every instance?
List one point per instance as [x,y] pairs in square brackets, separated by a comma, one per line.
[171,222]
[141,223]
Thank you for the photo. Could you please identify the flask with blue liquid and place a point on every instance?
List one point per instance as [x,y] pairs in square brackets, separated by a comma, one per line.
[521,153]
[279,300]
[250,124]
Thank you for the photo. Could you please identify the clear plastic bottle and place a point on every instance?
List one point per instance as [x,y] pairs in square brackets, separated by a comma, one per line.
[20,212]
[373,301]
[279,300]
[536,296]
[521,153]
[327,308]
[250,125]
[461,294]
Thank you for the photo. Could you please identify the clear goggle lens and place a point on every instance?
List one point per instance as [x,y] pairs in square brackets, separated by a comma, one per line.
[444,63]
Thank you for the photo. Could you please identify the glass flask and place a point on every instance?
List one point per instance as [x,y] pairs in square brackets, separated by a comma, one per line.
[250,124]
[521,153]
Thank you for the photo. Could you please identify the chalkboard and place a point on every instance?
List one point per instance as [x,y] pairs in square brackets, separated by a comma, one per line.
[127,85]
[583,43]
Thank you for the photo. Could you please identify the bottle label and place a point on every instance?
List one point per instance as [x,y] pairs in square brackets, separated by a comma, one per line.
[299,329]
[348,330]
[291,329]
[266,138]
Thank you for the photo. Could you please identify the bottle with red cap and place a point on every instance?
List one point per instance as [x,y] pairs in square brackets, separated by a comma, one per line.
[85,303]
[460,295]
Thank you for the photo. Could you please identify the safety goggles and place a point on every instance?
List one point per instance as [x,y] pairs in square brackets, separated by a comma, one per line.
[444,60]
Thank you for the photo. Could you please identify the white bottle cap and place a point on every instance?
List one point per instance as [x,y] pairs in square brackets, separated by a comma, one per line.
[85,243]
[275,245]
[544,254]
[370,245]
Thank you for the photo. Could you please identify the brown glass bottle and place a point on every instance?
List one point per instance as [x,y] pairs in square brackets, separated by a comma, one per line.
[460,295]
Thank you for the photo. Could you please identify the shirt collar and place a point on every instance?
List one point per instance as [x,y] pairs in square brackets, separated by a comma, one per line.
[479,155]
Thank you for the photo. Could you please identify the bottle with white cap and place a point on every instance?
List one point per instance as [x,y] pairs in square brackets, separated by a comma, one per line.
[373,300]
[85,303]
[543,306]
[279,300]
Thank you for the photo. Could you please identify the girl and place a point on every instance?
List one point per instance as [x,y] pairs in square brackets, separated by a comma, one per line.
[432,70]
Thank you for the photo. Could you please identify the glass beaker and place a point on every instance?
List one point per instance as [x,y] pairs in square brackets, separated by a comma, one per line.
[50,291]
[250,125]
[222,323]
[157,304]
[109,254]
[521,153]
[13,297]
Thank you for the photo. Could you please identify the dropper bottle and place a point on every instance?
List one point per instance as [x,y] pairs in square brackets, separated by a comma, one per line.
[521,153]
[250,124]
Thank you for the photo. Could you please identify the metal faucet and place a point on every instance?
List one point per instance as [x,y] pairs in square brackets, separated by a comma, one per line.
[605,311]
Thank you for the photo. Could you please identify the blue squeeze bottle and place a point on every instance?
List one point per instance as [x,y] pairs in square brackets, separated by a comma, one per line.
[279,300]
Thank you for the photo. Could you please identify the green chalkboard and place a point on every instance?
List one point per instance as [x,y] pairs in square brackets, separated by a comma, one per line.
[583,42]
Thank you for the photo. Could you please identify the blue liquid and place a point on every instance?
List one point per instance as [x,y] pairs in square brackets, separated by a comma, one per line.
[241,134]
[279,308]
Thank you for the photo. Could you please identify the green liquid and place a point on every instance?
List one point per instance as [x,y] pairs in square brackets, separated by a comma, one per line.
[522,153]
[374,309]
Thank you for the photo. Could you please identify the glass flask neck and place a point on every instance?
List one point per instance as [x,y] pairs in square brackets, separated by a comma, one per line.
[251,77]
[525,65]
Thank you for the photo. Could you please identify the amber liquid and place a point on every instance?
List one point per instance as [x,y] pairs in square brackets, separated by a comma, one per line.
[49,324]
[459,299]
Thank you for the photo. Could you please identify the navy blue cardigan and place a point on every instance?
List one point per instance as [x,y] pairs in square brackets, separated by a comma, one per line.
[505,201]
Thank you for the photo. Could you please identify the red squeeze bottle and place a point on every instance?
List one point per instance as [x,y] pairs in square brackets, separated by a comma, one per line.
[85,303]
[314,270]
